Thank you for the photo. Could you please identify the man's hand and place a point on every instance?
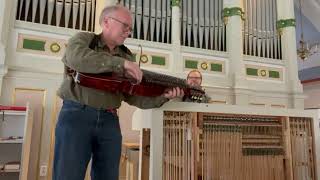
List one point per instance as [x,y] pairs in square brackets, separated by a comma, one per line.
[171,93]
[132,70]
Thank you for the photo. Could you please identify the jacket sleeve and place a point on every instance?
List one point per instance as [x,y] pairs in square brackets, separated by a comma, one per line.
[143,102]
[81,58]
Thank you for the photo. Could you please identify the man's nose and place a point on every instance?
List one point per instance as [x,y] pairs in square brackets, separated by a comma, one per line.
[128,33]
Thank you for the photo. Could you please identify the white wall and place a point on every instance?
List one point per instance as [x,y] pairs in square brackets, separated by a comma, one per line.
[312,92]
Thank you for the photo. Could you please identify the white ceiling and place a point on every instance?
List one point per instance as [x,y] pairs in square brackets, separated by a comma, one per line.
[311,10]
[311,29]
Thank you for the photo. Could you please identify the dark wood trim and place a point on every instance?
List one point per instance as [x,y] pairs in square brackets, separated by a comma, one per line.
[310,80]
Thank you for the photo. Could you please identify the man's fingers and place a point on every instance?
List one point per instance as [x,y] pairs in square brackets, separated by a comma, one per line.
[173,92]
[180,92]
[133,71]
[138,75]
[168,93]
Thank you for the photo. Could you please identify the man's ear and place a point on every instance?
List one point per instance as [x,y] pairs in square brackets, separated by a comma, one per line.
[105,22]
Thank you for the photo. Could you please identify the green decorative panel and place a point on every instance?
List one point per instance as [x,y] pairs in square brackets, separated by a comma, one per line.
[252,72]
[175,3]
[234,11]
[41,45]
[282,23]
[158,60]
[34,44]
[274,74]
[216,67]
[191,64]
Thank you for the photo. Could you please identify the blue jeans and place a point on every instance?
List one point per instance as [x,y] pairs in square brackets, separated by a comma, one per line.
[84,132]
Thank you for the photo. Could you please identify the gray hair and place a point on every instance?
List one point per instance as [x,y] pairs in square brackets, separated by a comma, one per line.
[109,10]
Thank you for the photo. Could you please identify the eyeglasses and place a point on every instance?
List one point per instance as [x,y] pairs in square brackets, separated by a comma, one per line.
[125,26]
[190,77]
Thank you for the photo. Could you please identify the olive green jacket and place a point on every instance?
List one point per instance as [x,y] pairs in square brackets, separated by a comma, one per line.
[81,58]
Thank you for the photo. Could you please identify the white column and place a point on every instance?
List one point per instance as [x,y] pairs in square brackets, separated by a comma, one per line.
[234,48]
[177,62]
[110,2]
[5,25]
[100,4]
[156,145]
[175,32]
[7,18]
[285,9]
[3,72]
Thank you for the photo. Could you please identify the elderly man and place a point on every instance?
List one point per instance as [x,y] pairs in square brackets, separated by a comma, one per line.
[88,125]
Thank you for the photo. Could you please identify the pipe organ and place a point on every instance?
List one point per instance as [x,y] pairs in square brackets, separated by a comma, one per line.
[260,31]
[151,19]
[191,141]
[201,25]
[75,14]
[196,141]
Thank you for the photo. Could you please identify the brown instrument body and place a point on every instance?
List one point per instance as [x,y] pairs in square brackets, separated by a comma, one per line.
[114,83]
